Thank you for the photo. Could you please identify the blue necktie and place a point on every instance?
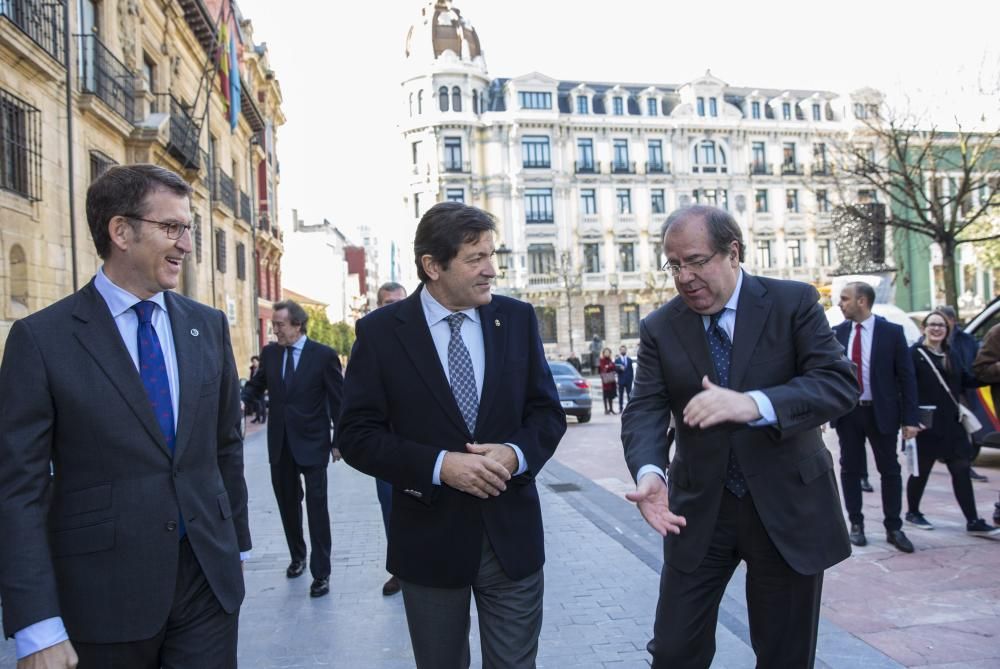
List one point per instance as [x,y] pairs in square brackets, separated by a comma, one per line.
[463,379]
[153,372]
[721,349]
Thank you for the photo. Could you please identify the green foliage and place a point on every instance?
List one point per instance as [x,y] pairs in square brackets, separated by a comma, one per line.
[343,338]
[338,335]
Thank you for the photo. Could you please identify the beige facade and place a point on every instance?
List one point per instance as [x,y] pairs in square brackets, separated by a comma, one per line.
[142,88]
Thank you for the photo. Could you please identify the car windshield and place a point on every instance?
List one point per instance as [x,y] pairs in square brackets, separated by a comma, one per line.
[562,369]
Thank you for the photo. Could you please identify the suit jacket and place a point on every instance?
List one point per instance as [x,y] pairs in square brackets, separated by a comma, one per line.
[399,413]
[97,542]
[627,372]
[303,413]
[783,346]
[893,381]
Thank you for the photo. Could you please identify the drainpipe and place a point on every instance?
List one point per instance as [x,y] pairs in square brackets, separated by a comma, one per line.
[70,189]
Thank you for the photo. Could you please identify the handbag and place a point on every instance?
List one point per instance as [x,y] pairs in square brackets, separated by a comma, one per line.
[609,377]
[968,419]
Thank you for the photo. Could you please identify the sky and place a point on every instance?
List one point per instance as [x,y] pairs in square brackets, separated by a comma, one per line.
[340,64]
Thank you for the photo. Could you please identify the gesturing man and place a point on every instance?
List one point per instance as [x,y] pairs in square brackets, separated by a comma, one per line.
[304,385]
[748,369]
[448,398]
[123,507]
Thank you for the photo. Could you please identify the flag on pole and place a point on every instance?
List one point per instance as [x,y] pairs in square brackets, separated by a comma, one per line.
[223,58]
[234,84]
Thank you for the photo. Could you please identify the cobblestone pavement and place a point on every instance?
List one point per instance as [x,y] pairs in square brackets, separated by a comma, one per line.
[881,609]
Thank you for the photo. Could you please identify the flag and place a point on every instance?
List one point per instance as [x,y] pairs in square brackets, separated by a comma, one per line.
[234,84]
[223,60]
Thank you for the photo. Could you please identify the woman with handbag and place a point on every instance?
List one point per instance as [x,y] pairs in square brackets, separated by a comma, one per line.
[940,380]
[609,380]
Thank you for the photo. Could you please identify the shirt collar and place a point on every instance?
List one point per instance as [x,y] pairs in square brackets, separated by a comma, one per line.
[868,323]
[118,299]
[435,312]
[734,299]
[300,343]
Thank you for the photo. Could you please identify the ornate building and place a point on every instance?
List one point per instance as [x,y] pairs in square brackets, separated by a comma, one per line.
[582,174]
[91,84]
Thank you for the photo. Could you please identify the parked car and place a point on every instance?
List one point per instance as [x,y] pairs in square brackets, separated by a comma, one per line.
[987,409]
[574,391]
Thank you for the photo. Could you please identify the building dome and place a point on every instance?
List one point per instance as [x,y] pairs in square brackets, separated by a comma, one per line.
[442,28]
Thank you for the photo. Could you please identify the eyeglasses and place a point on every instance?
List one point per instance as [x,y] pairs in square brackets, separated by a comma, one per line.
[935,325]
[694,266]
[174,229]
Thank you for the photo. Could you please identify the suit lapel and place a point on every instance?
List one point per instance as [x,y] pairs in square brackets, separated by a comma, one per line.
[751,315]
[494,324]
[690,330]
[843,333]
[415,338]
[189,349]
[99,336]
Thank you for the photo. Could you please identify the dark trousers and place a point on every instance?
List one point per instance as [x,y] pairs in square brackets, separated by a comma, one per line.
[852,430]
[783,605]
[289,494]
[198,632]
[384,491]
[622,391]
[961,484]
[510,619]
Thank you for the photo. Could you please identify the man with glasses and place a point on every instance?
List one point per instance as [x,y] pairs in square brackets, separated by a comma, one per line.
[123,507]
[749,370]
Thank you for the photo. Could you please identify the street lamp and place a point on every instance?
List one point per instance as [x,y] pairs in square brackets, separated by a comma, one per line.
[503,258]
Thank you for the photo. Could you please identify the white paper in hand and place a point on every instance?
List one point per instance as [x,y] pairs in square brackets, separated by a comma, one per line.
[910,453]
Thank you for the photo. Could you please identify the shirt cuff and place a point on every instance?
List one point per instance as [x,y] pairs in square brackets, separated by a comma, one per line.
[650,469]
[39,636]
[245,555]
[436,478]
[766,409]
[522,464]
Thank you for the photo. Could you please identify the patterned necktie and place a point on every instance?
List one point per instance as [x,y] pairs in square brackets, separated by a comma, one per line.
[463,379]
[289,365]
[153,372]
[721,348]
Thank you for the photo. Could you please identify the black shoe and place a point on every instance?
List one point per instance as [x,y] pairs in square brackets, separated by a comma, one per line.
[976,476]
[319,587]
[857,535]
[295,569]
[917,519]
[980,528]
[865,485]
[898,539]
[391,587]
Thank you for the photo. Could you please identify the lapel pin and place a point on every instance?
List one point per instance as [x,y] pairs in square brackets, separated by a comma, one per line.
[194,332]
[497,322]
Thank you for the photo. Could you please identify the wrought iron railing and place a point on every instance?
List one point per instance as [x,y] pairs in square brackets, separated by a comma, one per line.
[20,147]
[657,167]
[588,167]
[246,213]
[623,167]
[41,21]
[183,138]
[224,191]
[103,75]
[759,168]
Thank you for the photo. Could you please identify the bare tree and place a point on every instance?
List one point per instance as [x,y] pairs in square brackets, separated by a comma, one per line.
[944,185]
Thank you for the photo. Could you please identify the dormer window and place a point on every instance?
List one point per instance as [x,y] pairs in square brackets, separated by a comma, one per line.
[755,109]
[652,107]
[700,103]
[456,99]
[618,105]
[713,107]
[786,111]
[582,105]
[420,102]
[443,98]
[531,100]
[817,113]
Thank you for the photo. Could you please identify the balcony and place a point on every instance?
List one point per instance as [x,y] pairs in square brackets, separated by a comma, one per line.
[184,133]
[710,169]
[456,167]
[623,167]
[759,168]
[822,169]
[246,213]
[263,222]
[543,280]
[587,167]
[103,75]
[537,164]
[224,190]
[657,167]
[41,21]
[792,169]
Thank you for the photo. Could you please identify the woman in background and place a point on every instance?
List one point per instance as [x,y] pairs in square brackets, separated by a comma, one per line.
[609,384]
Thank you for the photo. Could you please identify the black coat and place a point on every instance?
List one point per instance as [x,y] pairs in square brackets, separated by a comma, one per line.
[946,438]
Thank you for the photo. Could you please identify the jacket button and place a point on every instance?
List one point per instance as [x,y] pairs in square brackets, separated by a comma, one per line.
[171,525]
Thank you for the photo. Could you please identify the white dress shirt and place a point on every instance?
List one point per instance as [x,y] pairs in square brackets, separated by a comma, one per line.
[867,332]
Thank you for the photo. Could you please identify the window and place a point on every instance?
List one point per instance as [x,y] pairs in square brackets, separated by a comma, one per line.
[793,248]
[658,202]
[819,158]
[416,205]
[411,104]
[582,105]
[714,197]
[817,113]
[867,196]
[708,157]
[593,321]
[825,248]
[535,151]
[822,201]
[453,154]
[196,233]
[420,102]
[241,261]
[760,201]
[700,104]
[454,195]
[618,104]
[546,317]
[534,100]
[149,73]
[754,109]
[456,98]
[538,205]
[764,259]
[20,147]
[443,98]
[713,107]
[624,198]
[99,164]
[541,259]
[859,110]
[621,163]
[220,251]
[652,107]
[475,101]
[654,151]
[585,155]
[788,163]
[792,200]
[758,152]
[18,276]
[629,318]
[786,111]
[588,201]
[416,151]
[592,257]
[626,257]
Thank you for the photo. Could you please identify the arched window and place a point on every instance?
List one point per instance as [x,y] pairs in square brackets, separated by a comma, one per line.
[18,281]
[708,157]
[456,99]
[475,102]
[443,98]
[411,104]
[420,102]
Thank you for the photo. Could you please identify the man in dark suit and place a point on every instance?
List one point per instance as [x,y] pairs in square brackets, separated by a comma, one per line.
[448,398]
[749,370]
[126,550]
[304,385]
[884,370]
[624,365]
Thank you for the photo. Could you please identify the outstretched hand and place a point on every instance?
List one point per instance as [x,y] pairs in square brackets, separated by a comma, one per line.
[715,405]
[651,497]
